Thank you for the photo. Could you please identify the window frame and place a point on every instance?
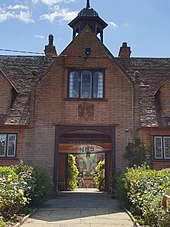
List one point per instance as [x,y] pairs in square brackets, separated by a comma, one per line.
[163,154]
[80,72]
[7,146]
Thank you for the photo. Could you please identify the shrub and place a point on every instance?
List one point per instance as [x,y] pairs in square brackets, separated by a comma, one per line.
[20,186]
[99,175]
[72,172]
[142,189]
[12,198]
[135,153]
[2,223]
[35,183]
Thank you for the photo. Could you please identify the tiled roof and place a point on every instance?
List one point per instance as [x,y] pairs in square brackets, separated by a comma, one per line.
[151,74]
[21,71]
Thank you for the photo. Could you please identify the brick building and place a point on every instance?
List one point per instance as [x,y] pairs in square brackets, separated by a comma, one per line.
[84,100]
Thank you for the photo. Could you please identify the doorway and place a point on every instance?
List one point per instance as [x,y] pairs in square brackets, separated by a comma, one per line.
[90,148]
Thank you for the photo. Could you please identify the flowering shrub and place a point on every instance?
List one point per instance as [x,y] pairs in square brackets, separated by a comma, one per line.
[143,189]
[12,197]
[19,186]
[36,184]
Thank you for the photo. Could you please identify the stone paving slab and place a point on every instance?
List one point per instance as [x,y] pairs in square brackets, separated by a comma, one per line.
[80,209]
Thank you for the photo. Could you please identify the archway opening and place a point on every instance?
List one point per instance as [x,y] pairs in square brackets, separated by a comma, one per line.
[92,152]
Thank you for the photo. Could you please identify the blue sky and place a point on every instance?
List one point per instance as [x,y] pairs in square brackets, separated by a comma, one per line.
[143,24]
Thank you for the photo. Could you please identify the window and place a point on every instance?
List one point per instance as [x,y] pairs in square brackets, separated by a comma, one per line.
[162,147]
[8,145]
[86,84]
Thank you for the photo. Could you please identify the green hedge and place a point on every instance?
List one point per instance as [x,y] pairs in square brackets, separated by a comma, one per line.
[142,190]
[20,186]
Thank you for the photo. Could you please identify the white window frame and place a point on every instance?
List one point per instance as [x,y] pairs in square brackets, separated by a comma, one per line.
[8,155]
[6,151]
[161,148]
[164,138]
[3,134]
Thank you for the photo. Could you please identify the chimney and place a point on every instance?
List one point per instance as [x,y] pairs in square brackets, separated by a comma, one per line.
[124,51]
[50,50]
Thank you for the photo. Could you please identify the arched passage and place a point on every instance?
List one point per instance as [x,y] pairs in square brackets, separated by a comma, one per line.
[90,142]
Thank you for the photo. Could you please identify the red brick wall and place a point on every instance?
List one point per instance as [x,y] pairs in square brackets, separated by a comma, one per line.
[147,134]
[5,94]
[21,150]
[165,99]
[52,106]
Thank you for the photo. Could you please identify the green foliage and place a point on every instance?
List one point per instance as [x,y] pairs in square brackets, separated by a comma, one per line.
[2,224]
[99,175]
[142,189]
[20,186]
[135,153]
[72,173]
[6,171]
[36,183]
[12,197]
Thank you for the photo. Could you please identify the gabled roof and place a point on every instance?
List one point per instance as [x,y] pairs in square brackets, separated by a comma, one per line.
[22,71]
[150,73]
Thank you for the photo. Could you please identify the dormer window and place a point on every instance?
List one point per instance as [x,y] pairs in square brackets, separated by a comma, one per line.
[86,84]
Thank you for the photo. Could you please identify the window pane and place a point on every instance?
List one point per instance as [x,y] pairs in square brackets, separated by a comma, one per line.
[167,147]
[158,147]
[11,145]
[74,85]
[86,84]
[98,85]
[2,145]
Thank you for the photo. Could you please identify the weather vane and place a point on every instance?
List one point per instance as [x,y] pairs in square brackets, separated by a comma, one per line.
[88,4]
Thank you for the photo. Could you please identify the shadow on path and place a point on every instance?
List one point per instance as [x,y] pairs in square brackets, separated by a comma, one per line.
[84,207]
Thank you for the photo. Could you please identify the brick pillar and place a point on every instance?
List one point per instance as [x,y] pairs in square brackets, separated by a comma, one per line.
[124,51]
[50,50]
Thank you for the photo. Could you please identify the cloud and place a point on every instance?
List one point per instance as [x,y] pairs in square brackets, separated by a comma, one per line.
[19,12]
[113,25]
[17,7]
[64,14]
[52,2]
[25,17]
[39,36]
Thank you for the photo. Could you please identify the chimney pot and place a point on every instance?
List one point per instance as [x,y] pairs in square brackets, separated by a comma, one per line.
[124,51]
[50,50]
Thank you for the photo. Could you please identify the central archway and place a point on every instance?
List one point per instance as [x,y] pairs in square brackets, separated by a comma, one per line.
[90,144]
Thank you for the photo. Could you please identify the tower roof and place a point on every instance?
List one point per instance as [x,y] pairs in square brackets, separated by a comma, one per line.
[88,16]
[88,11]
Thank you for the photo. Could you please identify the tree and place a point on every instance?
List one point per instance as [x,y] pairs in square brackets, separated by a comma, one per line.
[135,153]
[72,172]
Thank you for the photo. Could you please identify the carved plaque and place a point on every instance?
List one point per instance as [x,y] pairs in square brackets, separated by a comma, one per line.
[85,111]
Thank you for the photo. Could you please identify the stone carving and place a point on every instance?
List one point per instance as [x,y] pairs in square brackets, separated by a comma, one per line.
[85,111]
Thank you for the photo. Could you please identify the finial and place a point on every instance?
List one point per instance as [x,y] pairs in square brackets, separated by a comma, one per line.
[88,4]
[51,39]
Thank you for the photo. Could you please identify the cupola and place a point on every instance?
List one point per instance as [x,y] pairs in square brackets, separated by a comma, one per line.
[88,16]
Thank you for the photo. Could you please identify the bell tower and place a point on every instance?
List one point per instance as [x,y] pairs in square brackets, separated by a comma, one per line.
[88,16]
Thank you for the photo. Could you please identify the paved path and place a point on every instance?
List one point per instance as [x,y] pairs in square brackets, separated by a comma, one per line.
[85,208]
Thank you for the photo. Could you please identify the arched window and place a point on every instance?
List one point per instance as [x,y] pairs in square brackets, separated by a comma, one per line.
[86,84]
[98,85]
[74,85]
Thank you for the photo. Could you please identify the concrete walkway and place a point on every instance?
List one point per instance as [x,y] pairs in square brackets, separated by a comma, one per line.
[84,208]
